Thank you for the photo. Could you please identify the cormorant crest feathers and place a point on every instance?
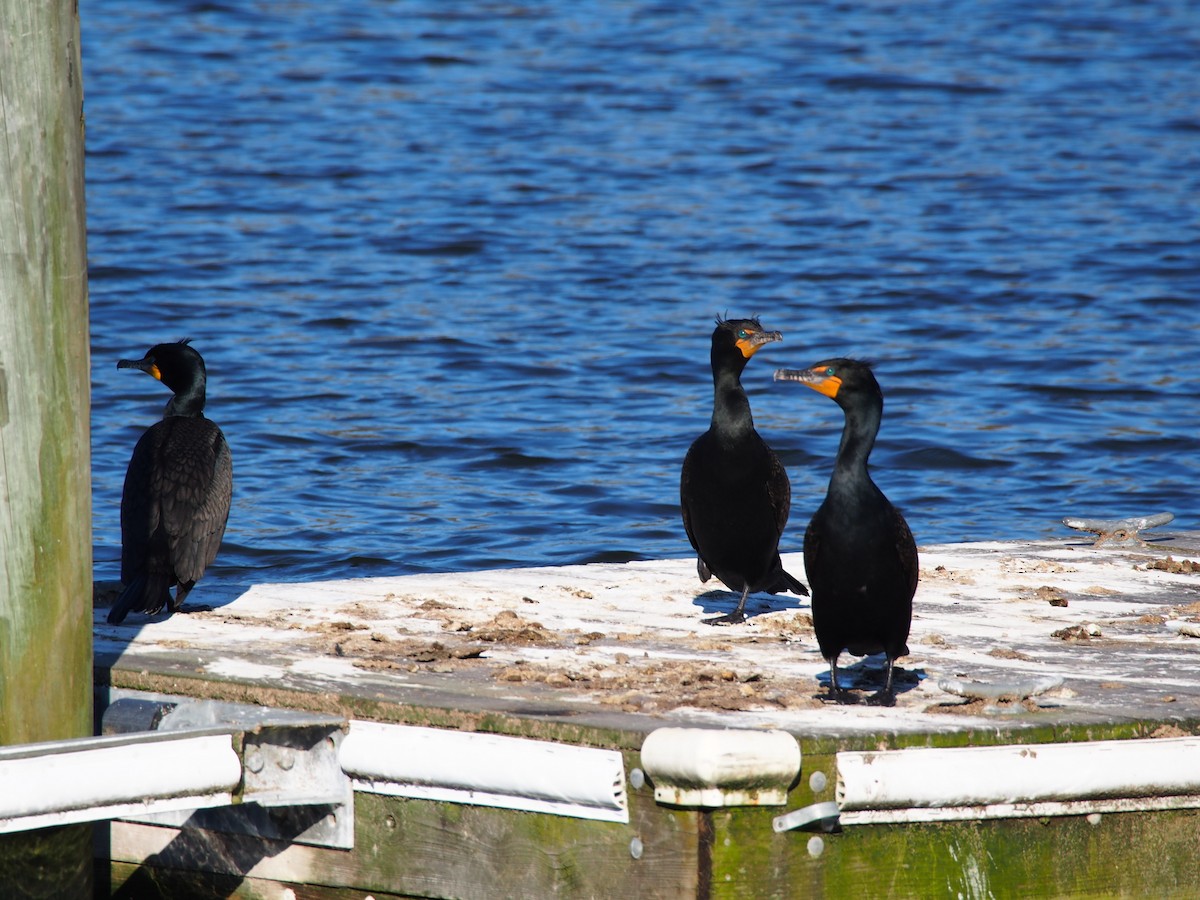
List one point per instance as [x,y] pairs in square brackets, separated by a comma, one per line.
[722,321]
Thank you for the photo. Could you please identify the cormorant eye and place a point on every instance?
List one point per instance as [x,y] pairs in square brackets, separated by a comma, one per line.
[828,371]
[743,334]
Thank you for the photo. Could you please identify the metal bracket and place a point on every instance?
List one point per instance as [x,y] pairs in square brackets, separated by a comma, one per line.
[1119,530]
[292,787]
[821,817]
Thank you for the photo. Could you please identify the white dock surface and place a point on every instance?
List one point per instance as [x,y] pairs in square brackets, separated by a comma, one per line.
[624,645]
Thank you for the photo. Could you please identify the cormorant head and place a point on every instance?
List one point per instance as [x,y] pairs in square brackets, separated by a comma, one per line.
[178,366]
[839,378]
[740,337]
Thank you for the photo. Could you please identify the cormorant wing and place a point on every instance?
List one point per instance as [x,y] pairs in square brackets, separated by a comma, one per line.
[139,505]
[195,495]
[779,490]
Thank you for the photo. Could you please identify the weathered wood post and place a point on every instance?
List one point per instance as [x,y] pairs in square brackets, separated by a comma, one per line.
[45,482]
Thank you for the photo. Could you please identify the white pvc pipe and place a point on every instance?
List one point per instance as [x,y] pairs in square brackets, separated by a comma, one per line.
[486,770]
[96,778]
[1018,775]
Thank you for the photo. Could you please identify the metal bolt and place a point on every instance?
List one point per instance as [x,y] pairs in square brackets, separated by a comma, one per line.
[637,778]
[816,846]
[287,759]
[635,848]
[817,781]
[254,761]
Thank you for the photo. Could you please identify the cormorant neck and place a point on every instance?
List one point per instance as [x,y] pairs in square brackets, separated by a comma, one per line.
[731,407]
[858,437]
[188,401]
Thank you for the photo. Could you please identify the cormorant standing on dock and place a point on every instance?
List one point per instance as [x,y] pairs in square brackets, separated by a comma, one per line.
[859,554]
[734,493]
[177,490]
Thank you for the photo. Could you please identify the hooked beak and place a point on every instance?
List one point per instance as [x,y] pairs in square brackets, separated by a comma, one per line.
[145,365]
[751,345]
[813,378]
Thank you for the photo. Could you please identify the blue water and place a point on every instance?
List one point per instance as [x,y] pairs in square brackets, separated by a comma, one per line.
[453,267]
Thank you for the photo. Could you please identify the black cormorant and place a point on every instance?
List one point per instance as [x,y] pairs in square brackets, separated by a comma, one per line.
[859,555]
[734,493]
[177,490]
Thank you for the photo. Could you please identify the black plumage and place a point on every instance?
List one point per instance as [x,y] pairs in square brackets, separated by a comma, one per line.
[734,493]
[177,492]
[859,554]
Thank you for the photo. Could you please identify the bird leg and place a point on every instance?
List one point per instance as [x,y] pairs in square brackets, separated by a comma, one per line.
[737,616]
[886,697]
[835,690]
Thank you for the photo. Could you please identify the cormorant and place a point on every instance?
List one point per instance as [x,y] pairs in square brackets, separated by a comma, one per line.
[177,490]
[733,492]
[859,553]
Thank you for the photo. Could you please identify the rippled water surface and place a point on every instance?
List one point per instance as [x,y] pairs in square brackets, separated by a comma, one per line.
[454,267]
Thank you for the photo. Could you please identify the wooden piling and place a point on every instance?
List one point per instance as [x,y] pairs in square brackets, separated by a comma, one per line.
[45,482]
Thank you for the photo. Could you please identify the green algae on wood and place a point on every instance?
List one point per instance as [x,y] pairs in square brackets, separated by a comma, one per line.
[45,483]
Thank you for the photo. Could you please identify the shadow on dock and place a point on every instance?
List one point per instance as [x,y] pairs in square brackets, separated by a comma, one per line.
[721,601]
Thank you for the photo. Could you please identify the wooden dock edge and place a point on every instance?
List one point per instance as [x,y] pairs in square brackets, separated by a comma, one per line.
[411,847]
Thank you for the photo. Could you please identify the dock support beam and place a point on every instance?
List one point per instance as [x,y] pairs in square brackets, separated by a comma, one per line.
[45,482]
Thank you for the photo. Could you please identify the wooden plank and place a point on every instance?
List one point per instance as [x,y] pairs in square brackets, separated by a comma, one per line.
[602,654]
[421,848]
[150,882]
[417,848]
[1051,857]
[1125,854]
[442,850]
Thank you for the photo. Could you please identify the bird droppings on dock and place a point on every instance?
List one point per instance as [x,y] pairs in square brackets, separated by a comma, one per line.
[622,643]
[1175,566]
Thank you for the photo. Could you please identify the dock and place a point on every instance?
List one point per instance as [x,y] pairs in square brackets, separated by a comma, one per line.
[1050,643]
